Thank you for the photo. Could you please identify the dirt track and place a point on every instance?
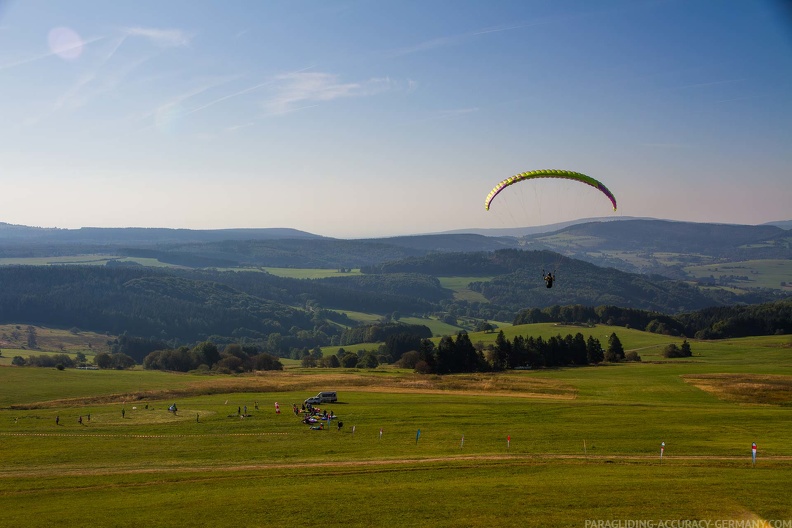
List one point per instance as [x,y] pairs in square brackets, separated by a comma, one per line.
[382,464]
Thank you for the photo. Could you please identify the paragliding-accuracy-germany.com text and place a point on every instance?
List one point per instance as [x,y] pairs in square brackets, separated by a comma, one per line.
[688,523]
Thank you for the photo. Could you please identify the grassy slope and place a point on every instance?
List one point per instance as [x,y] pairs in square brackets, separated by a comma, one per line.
[13,342]
[156,469]
[309,273]
[459,285]
[93,260]
[759,273]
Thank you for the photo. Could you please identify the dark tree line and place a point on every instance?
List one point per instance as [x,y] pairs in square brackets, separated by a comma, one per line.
[377,333]
[143,302]
[710,323]
[206,356]
[456,355]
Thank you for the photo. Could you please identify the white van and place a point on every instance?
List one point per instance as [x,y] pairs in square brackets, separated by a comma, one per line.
[322,397]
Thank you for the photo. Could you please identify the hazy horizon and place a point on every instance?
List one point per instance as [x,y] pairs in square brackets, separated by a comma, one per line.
[360,119]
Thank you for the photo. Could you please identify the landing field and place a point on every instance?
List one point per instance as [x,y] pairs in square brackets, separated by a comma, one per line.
[529,448]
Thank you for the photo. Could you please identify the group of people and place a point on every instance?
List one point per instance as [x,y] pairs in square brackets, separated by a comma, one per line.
[314,416]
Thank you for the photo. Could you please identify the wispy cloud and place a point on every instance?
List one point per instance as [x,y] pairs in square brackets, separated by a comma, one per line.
[234,128]
[239,93]
[742,98]
[106,73]
[95,84]
[297,90]
[452,40]
[456,112]
[41,56]
[173,108]
[667,145]
[166,38]
[708,84]
[441,115]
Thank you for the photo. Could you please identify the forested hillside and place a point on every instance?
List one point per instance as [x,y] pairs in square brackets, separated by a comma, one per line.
[664,247]
[645,246]
[513,280]
[772,318]
[143,302]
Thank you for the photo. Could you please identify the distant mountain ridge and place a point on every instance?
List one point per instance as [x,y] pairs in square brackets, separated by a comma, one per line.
[635,245]
[535,230]
[783,224]
[141,235]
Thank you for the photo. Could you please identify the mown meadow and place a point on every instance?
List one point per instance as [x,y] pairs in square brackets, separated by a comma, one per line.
[552,447]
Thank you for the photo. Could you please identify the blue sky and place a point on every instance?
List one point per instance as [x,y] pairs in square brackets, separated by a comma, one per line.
[371,118]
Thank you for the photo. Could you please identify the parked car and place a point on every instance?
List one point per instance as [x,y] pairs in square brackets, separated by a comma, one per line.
[322,397]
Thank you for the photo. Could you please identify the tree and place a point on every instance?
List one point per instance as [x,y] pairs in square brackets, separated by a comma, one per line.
[18,361]
[501,352]
[330,361]
[122,361]
[674,351]
[615,350]
[349,360]
[594,352]
[32,337]
[235,349]
[671,351]
[444,356]
[409,359]
[230,364]
[426,354]
[266,361]
[103,360]
[466,354]
[368,360]
[206,353]
[308,361]
[578,352]
[484,326]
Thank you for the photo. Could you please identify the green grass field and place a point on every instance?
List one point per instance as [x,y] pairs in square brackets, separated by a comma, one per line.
[776,274]
[14,342]
[309,273]
[85,260]
[459,285]
[584,443]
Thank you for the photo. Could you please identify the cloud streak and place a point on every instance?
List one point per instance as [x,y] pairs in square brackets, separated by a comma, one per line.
[42,56]
[298,90]
[453,40]
[244,91]
[166,38]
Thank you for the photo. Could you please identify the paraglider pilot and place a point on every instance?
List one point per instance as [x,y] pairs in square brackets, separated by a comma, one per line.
[549,278]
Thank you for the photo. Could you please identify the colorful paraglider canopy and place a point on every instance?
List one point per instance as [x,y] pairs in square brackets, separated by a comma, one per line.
[549,173]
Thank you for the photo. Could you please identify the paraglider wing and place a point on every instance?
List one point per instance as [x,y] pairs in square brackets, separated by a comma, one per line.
[550,173]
